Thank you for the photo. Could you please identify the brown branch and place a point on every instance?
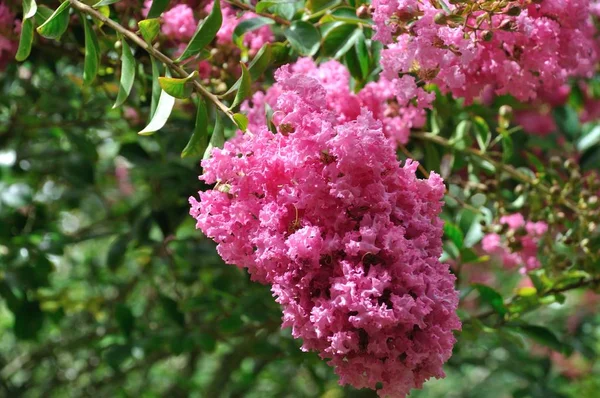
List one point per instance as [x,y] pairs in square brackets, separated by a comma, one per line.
[248,7]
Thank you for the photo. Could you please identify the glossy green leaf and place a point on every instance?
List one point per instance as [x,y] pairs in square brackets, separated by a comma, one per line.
[483,136]
[29,9]
[249,25]
[127,73]
[589,140]
[321,5]
[241,121]
[92,53]
[178,88]
[157,8]
[57,24]
[303,37]
[25,41]
[454,233]
[340,39]
[262,6]
[206,32]
[217,138]
[42,15]
[149,28]
[199,140]
[491,297]
[161,115]
[245,87]
[259,64]
[102,3]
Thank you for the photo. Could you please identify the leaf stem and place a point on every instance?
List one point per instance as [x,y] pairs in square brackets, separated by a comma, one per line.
[172,65]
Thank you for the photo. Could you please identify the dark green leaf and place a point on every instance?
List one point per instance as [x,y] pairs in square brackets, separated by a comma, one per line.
[567,120]
[178,88]
[432,157]
[157,8]
[543,336]
[249,25]
[482,133]
[245,87]
[29,9]
[92,53]
[125,319]
[340,39]
[156,90]
[42,15]
[303,37]
[117,251]
[507,147]
[25,41]
[217,138]
[57,24]
[199,140]
[105,3]
[149,29]
[206,32]
[127,73]
[491,297]
[172,310]
[261,6]
[256,68]
[320,5]
[29,319]
[116,354]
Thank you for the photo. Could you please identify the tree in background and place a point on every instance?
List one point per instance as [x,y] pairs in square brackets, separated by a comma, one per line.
[409,191]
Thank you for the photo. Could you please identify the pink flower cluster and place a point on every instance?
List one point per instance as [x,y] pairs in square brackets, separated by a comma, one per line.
[253,40]
[348,238]
[377,97]
[9,35]
[526,49]
[522,252]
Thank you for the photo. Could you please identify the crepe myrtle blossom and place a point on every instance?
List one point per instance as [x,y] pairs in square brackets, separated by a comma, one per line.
[348,238]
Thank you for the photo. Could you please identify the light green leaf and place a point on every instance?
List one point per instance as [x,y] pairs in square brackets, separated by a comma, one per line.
[161,115]
[217,139]
[92,53]
[206,32]
[127,73]
[589,140]
[29,9]
[199,140]
[157,8]
[178,88]
[452,232]
[245,87]
[149,29]
[482,133]
[241,121]
[25,41]
[491,297]
[303,37]
[42,15]
[57,24]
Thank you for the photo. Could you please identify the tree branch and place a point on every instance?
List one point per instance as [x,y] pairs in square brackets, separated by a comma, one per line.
[248,7]
[172,65]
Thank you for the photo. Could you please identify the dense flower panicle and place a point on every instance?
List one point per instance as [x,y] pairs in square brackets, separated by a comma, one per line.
[179,23]
[526,53]
[348,238]
[536,121]
[522,252]
[9,35]
[377,97]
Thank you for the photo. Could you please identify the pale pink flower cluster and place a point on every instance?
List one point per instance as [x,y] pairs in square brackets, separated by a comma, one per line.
[527,235]
[179,23]
[9,35]
[524,55]
[377,97]
[349,240]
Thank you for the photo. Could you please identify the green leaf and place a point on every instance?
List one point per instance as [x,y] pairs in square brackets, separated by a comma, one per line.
[57,24]
[199,140]
[217,139]
[92,53]
[156,90]
[567,120]
[589,140]
[25,41]
[507,147]
[303,37]
[206,32]
[42,15]
[241,121]
[482,133]
[259,64]
[543,336]
[263,5]
[29,9]
[157,8]
[149,29]
[245,87]
[452,232]
[102,3]
[172,310]
[432,157]
[340,39]
[125,319]
[178,88]
[321,5]
[117,251]
[459,138]
[161,115]
[127,74]
[491,297]
[249,25]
